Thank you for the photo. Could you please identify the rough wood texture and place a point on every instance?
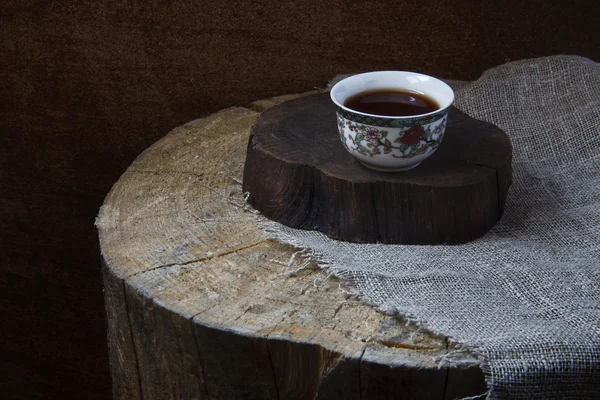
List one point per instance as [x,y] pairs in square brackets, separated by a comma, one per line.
[124,370]
[199,305]
[298,173]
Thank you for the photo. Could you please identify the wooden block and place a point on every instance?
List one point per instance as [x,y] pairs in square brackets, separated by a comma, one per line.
[298,173]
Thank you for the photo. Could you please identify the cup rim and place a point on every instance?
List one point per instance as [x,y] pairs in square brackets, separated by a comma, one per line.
[442,107]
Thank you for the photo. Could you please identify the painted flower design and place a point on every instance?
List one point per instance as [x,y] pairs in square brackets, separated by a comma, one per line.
[371,141]
[413,135]
[372,137]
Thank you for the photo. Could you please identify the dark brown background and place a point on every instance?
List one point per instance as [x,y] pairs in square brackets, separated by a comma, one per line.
[87,85]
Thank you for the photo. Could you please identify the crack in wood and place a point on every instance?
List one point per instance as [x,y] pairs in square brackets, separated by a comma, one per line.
[135,352]
[203,311]
[273,370]
[398,345]
[202,259]
[200,358]
[360,383]
[244,313]
[447,377]
[478,164]
[374,205]
[267,339]
[337,310]
[165,171]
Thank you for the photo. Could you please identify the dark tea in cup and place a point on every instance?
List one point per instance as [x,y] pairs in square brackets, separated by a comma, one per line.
[391,102]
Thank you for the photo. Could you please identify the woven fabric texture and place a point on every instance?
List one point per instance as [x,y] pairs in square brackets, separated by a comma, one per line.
[526,296]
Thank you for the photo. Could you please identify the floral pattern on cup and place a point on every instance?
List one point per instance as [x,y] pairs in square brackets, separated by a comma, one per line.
[370,141]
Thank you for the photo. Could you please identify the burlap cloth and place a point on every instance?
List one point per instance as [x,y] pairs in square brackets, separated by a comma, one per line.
[526,295]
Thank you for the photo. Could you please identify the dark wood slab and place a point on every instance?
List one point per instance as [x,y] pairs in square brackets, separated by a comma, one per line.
[298,173]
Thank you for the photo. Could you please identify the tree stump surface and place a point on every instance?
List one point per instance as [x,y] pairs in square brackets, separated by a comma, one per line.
[298,173]
[199,306]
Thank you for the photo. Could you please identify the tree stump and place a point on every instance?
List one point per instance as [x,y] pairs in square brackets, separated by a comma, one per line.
[298,173]
[199,306]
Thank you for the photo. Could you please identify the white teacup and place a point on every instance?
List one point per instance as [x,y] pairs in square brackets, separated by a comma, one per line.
[392,143]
